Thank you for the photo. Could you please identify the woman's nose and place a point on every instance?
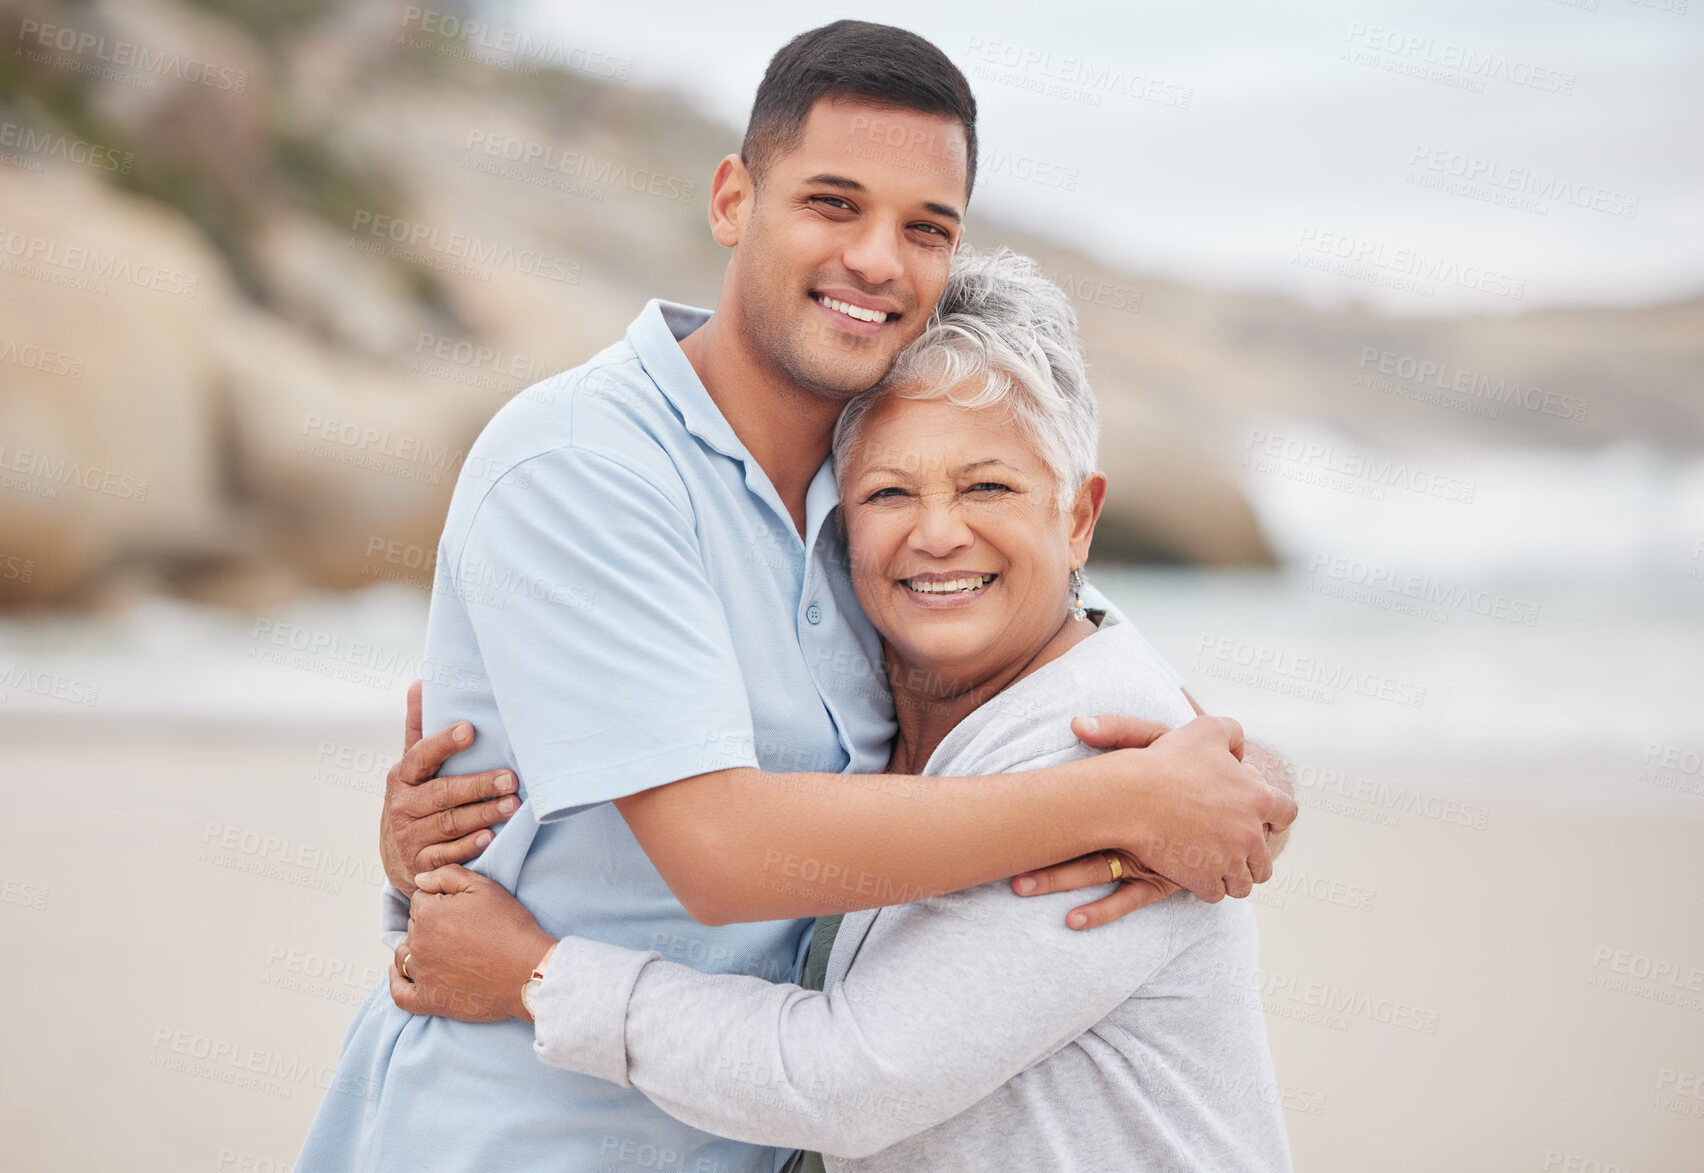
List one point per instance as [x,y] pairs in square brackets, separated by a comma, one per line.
[939,530]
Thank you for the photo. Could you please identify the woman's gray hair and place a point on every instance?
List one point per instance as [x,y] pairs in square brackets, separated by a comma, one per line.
[1002,335]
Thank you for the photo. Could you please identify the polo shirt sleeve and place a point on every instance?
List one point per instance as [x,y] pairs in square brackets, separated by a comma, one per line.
[606,649]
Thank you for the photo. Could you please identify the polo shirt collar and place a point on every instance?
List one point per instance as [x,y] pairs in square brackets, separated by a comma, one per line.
[655,336]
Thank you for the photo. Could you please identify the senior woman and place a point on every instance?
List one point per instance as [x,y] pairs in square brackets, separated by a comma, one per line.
[968,1031]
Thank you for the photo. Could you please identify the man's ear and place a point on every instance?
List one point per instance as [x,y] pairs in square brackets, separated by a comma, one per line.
[1085,511]
[731,195]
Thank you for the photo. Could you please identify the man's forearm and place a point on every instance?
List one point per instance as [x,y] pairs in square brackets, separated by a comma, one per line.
[742,845]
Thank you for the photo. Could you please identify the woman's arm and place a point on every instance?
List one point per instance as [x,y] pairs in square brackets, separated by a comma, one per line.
[950,998]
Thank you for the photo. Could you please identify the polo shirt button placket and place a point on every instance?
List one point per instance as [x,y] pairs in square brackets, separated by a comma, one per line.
[813,613]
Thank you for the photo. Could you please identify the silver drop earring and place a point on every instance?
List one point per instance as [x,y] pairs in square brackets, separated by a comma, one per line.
[1077,610]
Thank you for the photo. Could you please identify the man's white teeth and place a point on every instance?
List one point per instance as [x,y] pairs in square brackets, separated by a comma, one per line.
[951,585]
[854,311]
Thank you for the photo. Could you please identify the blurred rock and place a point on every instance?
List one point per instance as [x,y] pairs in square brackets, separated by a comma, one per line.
[108,405]
[310,402]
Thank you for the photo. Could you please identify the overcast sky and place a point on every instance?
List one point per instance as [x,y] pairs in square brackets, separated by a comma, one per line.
[1289,148]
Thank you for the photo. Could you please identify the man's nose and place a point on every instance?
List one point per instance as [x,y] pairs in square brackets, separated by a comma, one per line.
[874,254]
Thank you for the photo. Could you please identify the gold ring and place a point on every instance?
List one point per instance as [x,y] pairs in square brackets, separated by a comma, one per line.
[1116,864]
[406,958]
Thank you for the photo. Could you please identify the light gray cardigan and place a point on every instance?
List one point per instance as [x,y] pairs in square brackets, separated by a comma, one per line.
[972,1031]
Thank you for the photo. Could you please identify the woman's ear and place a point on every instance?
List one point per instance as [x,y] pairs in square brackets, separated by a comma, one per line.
[1085,511]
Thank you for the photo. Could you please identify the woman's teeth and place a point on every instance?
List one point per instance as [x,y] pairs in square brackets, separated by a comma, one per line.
[854,311]
[951,585]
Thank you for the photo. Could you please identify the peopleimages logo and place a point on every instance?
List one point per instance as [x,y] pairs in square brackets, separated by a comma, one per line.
[52,145]
[1443,162]
[121,54]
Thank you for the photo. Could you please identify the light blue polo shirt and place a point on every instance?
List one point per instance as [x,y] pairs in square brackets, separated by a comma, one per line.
[622,601]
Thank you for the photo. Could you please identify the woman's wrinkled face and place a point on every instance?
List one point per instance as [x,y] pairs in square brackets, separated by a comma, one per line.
[960,551]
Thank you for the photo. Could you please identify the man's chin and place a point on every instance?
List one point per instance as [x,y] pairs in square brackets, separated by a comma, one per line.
[838,379]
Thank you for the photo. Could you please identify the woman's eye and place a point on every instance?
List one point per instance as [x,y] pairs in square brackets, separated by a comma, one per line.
[990,487]
[887,493]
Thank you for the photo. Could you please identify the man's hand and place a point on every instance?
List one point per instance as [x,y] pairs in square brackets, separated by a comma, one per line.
[428,821]
[1208,824]
[471,947]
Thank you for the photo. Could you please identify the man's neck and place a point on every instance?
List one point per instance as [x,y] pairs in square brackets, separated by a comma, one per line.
[786,430]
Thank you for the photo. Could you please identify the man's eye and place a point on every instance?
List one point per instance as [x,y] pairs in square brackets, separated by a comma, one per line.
[834,202]
[936,229]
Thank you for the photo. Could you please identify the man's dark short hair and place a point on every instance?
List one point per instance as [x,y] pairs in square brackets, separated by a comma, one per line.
[875,63]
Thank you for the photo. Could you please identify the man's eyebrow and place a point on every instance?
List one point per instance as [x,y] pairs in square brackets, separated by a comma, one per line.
[840,181]
[846,184]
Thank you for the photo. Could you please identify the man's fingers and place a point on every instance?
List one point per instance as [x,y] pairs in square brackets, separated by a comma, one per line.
[1282,811]
[1239,884]
[1084,872]
[461,850]
[1129,897]
[1260,863]
[1116,730]
[1210,891]
[421,760]
[411,727]
[1233,731]
[446,881]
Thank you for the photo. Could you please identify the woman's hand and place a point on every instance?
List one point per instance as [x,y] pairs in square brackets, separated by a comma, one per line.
[1140,886]
[471,946]
[429,821]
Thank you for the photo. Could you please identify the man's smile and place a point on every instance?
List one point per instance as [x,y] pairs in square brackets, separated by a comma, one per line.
[871,314]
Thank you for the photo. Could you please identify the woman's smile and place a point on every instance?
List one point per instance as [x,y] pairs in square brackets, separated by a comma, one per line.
[937,590]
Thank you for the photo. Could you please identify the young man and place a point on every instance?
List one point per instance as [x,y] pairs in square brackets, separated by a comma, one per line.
[683,679]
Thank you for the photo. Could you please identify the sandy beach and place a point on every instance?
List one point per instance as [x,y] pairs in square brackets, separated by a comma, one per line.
[1451,982]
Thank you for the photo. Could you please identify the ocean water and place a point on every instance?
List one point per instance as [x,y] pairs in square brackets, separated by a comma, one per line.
[1546,638]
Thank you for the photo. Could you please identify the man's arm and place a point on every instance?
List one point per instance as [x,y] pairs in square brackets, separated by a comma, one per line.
[742,845]
[1092,869]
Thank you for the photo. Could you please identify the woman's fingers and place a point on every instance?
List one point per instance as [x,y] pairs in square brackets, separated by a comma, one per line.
[1083,872]
[436,855]
[421,759]
[1132,895]
[446,880]
[402,991]
[1140,887]
[465,793]
[411,723]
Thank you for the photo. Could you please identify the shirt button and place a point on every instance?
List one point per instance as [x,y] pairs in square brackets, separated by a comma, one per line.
[813,613]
